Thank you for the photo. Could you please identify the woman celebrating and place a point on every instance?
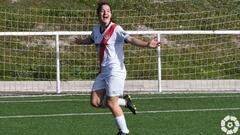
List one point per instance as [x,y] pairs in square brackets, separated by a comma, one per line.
[109,39]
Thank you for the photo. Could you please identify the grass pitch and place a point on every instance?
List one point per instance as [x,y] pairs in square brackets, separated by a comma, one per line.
[165,114]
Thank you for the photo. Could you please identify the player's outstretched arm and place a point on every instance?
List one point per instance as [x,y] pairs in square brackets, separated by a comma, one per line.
[138,42]
[83,41]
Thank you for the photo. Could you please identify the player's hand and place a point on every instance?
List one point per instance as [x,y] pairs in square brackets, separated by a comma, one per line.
[154,43]
[82,40]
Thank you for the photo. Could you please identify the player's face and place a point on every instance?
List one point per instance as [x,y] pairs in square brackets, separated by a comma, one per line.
[105,15]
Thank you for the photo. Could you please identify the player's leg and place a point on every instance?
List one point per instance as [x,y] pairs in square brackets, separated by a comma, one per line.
[98,94]
[98,98]
[118,114]
[114,89]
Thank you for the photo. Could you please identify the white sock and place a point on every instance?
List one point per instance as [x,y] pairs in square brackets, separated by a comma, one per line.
[121,102]
[121,124]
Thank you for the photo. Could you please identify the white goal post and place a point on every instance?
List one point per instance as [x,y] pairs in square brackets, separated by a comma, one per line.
[135,84]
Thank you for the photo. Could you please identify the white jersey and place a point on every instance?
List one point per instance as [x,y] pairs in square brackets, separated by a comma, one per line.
[113,60]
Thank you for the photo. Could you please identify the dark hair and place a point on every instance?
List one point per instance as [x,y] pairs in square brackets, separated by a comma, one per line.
[100,4]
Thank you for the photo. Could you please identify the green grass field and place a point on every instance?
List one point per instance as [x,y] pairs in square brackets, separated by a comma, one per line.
[165,114]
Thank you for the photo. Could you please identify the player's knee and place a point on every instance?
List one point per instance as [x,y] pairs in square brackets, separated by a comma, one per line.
[111,103]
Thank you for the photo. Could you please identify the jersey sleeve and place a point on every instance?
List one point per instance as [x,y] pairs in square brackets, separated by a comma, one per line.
[92,36]
[121,34]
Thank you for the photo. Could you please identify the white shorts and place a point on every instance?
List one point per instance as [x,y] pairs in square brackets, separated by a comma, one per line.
[113,84]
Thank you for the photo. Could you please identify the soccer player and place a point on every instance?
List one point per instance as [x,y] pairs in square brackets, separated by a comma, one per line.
[109,39]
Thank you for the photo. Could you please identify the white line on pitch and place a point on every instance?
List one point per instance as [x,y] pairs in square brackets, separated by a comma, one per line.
[141,98]
[44,100]
[108,113]
[191,110]
[190,97]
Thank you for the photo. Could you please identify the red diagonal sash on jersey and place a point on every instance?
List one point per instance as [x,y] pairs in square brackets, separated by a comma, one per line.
[104,41]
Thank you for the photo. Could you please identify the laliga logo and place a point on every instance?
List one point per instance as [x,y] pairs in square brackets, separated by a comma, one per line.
[230,125]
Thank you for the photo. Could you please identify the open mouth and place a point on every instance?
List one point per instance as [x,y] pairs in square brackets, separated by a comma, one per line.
[105,17]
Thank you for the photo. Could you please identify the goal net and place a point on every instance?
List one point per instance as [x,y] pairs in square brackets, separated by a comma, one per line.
[188,62]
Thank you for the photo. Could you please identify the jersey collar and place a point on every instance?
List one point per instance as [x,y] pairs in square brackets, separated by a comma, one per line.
[106,27]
